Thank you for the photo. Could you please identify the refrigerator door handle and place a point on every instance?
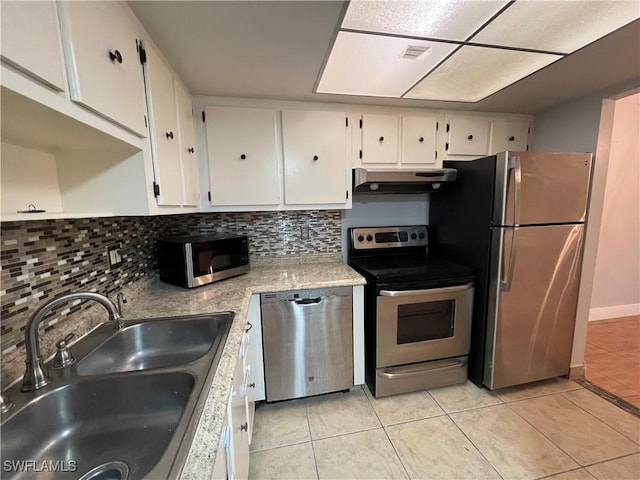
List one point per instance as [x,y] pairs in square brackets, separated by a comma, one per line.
[516,166]
[505,283]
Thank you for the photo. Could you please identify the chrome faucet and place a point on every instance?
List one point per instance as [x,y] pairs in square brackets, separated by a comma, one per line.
[36,376]
[122,301]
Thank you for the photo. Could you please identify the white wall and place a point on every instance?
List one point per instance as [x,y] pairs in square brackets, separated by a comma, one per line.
[616,284]
[383,211]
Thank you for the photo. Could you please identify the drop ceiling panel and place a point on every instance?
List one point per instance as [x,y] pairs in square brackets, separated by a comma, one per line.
[449,20]
[373,65]
[557,26]
[474,73]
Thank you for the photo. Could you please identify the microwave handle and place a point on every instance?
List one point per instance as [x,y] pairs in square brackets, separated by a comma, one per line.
[406,293]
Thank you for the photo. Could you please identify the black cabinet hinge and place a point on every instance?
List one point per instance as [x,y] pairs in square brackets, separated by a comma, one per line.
[527,148]
[346,121]
[436,157]
[142,54]
[156,189]
[360,154]
[209,195]
[145,121]
[203,117]
[529,130]
[437,126]
[448,128]
[360,123]
[446,146]
[347,192]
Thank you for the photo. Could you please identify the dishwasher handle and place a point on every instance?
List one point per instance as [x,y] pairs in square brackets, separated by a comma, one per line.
[306,301]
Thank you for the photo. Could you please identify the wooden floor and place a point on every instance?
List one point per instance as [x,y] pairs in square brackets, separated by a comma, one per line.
[613,356]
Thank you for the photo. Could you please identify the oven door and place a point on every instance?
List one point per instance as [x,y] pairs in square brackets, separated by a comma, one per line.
[420,325]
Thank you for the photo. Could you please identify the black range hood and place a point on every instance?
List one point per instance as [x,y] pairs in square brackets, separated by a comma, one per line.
[374,181]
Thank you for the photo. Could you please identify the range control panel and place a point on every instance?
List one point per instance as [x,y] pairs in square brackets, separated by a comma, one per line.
[389,237]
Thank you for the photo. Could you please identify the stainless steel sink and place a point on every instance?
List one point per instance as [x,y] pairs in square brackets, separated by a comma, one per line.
[129,419]
[127,409]
[154,344]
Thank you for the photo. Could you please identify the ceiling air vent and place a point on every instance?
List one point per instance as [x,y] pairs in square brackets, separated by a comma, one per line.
[413,52]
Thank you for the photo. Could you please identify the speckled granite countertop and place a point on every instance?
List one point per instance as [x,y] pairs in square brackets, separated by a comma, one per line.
[157,299]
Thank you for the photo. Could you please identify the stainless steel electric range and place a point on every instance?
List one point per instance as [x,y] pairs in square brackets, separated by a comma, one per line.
[417,310]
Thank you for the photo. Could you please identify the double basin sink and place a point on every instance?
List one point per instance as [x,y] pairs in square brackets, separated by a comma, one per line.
[126,409]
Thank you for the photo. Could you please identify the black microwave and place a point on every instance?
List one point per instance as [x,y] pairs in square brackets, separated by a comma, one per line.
[193,260]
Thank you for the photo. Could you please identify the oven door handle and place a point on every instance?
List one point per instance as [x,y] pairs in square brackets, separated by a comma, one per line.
[406,293]
[391,376]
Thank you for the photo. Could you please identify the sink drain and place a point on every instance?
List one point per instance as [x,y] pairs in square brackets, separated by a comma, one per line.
[108,471]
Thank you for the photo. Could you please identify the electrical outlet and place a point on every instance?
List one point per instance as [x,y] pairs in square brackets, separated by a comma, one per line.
[304,233]
[114,255]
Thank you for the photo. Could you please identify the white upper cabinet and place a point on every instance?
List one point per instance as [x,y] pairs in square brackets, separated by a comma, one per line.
[468,136]
[30,41]
[188,154]
[165,141]
[103,63]
[379,139]
[509,136]
[419,140]
[315,157]
[244,155]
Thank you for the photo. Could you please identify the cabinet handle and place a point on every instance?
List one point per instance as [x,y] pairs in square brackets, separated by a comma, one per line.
[421,139]
[115,56]
[315,157]
[244,427]
[381,139]
[190,150]
[512,138]
[249,327]
[169,135]
[243,156]
[470,137]
[252,385]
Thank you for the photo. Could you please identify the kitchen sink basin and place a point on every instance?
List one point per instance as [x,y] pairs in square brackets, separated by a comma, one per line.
[108,421]
[126,409]
[155,344]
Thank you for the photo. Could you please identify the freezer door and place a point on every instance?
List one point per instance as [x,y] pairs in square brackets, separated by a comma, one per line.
[534,188]
[532,303]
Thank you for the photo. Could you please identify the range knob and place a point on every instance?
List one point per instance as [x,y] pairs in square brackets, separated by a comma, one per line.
[421,235]
[369,238]
[413,236]
[360,238]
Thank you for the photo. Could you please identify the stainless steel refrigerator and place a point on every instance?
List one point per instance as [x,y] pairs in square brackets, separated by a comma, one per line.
[518,219]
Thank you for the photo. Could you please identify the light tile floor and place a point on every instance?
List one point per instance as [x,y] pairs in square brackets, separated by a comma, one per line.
[553,429]
[612,356]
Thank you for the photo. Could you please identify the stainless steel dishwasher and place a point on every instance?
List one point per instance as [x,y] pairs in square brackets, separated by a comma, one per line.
[308,342]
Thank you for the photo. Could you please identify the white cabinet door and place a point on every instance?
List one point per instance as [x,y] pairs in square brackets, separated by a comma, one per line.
[188,154]
[103,65]
[419,140]
[164,130]
[243,156]
[468,136]
[507,135]
[379,139]
[315,157]
[239,451]
[30,40]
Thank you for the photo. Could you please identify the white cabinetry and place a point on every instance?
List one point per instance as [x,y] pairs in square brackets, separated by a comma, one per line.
[30,40]
[239,425]
[175,166]
[397,141]
[243,151]
[315,157]
[379,139]
[419,140]
[188,154]
[467,136]
[100,41]
[507,135]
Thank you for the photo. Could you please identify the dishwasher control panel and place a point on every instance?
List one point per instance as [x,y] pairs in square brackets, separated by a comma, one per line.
[311,294]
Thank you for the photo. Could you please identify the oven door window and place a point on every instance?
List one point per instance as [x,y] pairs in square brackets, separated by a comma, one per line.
[420,322]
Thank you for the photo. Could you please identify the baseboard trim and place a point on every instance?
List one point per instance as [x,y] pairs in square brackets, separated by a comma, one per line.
[577,372]
[615,311]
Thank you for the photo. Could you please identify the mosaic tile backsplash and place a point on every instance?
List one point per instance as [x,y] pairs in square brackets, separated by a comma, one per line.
[42,259]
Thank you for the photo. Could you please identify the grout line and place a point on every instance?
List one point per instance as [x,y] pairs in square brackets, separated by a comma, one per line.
[313,450]
[611,459]
[475,446]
